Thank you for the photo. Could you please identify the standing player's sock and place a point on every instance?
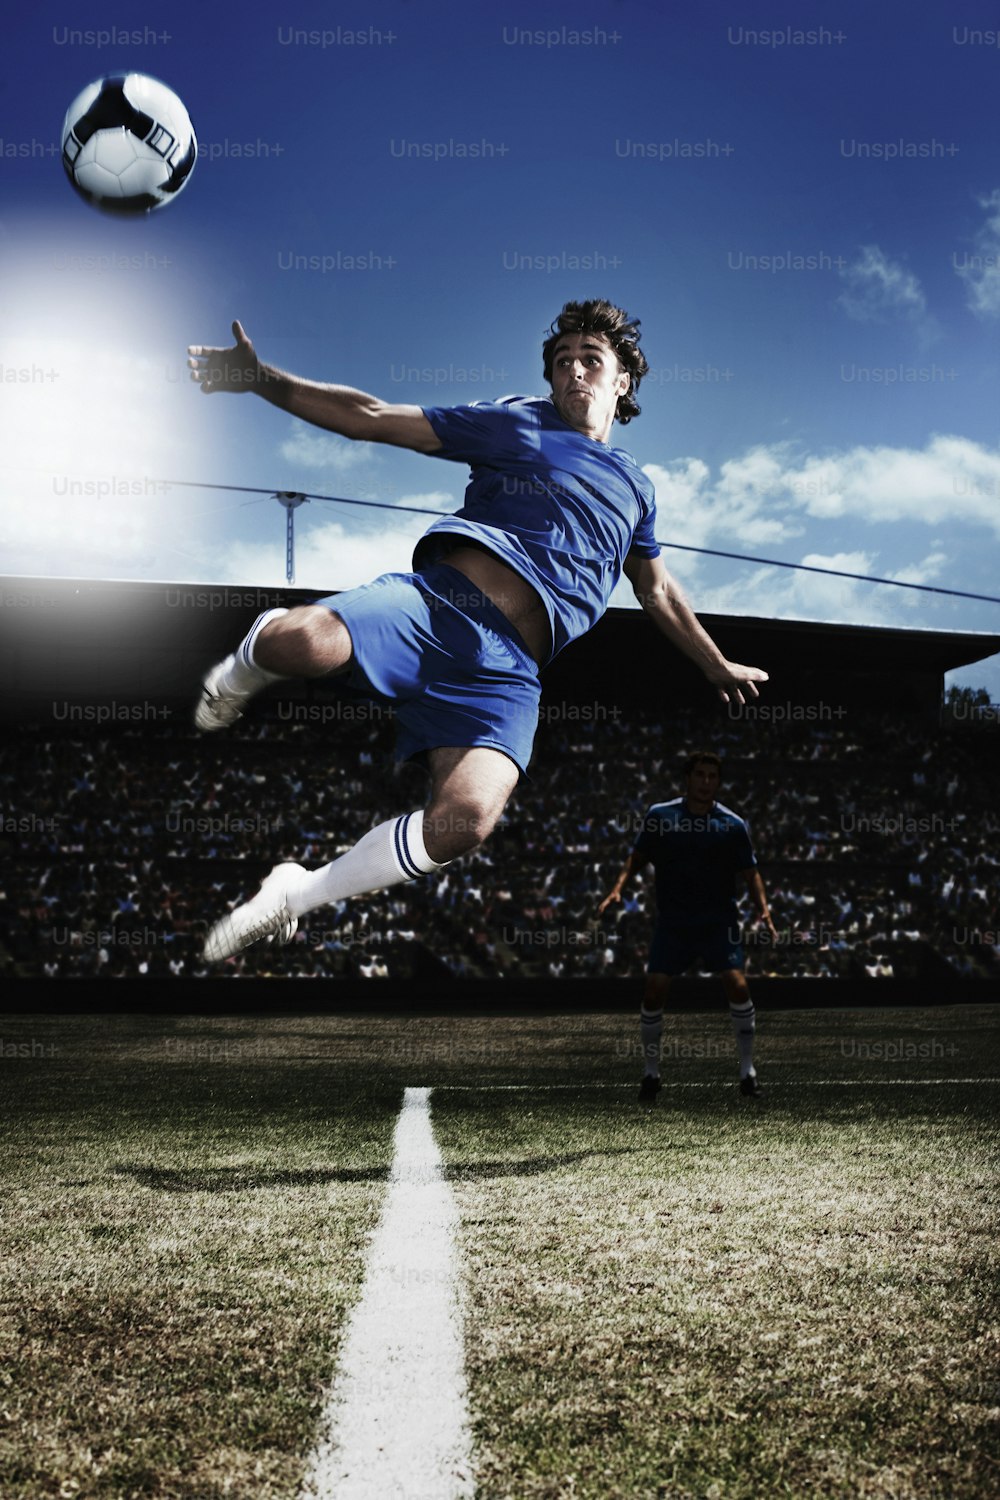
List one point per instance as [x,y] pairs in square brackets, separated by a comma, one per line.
[744,1022]
[239,673]
[387,855]
[650,1032]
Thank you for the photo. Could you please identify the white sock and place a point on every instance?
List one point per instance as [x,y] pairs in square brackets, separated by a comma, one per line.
[650,1031]
[744,1023]
[391,853]
[241,673]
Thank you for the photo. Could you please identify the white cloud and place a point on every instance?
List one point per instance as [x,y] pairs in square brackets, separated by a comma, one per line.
[743,502]
[952,479]
[323,450]
[329,555]
[763,497]
[981,270]
[878,287]
[775,593]
[771,494]
[880,290]
[437,500]
[922,572]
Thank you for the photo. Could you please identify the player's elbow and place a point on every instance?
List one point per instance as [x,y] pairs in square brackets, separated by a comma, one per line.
[367,421]
[655,599]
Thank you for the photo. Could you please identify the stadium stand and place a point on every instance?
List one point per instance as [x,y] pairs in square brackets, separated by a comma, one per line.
[123,832]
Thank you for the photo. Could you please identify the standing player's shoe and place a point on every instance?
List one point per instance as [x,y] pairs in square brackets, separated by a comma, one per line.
[648,1089]
[265,915]
[750,1086]
[217,709]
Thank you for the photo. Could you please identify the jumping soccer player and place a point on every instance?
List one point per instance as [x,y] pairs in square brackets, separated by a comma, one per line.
[553,515]
[698,849]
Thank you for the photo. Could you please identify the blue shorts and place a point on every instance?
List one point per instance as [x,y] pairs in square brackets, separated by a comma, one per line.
[676,947]
[446,657]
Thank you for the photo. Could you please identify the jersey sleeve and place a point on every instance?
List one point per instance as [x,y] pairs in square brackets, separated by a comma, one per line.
[644,537]
[469,434]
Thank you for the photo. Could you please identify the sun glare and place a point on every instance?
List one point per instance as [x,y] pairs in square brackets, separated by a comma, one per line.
[92,420]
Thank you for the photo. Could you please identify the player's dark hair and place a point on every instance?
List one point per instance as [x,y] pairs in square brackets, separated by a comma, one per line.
[621,332]
[709,757]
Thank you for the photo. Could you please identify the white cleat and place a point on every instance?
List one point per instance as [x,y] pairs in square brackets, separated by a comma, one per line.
[217,709]
[265,915]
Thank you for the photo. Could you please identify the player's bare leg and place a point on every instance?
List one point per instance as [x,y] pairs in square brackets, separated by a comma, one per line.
[469,790]
[743,1016]
[308,641]
[650,1032]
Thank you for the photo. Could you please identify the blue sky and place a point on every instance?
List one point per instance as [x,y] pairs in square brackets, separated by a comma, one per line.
[802,204]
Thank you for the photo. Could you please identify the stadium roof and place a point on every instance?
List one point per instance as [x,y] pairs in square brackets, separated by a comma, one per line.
[808,661]
[100,639]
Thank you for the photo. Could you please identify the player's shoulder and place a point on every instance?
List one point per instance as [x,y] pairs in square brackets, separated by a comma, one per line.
[483,403]
[516,413]
[664,811]
[502,405]
[627,468]
[529,405]
[728,815]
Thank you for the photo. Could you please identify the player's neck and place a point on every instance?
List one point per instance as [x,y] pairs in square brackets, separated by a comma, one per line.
[603,436]
[699,807]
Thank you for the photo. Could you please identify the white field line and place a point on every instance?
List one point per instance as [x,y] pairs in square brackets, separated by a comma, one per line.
[396,1420]
[669,1084]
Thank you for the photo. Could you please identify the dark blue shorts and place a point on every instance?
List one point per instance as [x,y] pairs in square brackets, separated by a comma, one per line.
[675,948]
[450,662]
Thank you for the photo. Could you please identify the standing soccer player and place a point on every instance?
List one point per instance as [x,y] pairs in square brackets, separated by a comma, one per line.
[699,849]
[552,517]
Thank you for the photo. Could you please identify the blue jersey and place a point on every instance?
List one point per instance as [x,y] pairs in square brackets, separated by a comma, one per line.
[558,507]
[696,857]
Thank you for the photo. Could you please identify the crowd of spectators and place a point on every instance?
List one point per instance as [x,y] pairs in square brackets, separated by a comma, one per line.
[878,842]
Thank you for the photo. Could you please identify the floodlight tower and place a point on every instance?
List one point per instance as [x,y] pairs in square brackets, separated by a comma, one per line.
[291,500]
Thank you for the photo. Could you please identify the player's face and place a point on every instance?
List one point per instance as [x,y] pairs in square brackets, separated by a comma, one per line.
[586,382]
[703,784]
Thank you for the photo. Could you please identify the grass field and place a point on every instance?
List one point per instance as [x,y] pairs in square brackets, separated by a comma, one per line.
[717,1297]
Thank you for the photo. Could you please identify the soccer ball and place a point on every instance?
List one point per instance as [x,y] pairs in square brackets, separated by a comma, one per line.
[128,144]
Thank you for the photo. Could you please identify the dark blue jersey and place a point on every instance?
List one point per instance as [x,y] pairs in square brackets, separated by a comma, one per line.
[696,857]
[560,508]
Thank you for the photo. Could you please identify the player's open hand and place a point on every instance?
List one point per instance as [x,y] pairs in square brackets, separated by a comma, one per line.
[236,369]
[609,899]
[733,681]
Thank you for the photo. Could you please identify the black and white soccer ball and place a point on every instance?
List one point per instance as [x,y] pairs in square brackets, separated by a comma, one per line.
[128,144]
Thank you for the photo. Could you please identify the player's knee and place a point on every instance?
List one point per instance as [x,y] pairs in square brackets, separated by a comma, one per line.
[736,987]
[656,990]
[456,828]
[308,641]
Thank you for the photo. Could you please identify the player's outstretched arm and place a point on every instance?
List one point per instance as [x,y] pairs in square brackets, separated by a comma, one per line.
[337,408]
[662,597]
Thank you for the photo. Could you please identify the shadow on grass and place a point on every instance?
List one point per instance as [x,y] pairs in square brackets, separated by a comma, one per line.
[529,1166]
[240,1179]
